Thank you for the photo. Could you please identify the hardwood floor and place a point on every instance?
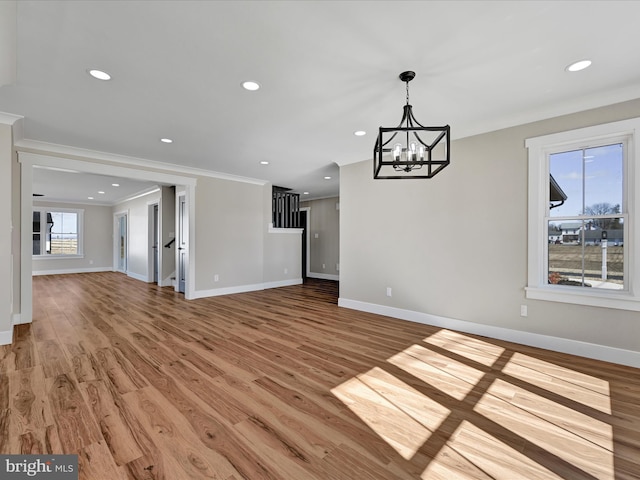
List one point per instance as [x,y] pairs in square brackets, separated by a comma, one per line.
[284,384]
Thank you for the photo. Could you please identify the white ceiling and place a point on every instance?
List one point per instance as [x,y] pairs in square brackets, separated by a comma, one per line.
[56,185]
[327,68]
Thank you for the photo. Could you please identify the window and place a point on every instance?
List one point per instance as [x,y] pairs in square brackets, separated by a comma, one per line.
[582,216]
[57,232]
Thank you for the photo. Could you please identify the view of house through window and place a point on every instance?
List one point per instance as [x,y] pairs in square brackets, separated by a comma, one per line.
[586,217]
[56,232]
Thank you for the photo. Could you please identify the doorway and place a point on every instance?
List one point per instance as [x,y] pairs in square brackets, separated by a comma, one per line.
[121,167]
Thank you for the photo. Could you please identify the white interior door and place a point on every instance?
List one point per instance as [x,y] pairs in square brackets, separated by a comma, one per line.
[183,243]
[121,242]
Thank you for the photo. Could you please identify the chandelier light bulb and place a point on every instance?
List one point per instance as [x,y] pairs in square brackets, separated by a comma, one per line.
[411,152]
[397,151]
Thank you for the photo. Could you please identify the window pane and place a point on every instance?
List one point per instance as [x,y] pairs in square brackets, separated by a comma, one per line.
[566,186]
[586,182]
[603,180]
[580,256]
[36,244]
[36,233]
[63,233]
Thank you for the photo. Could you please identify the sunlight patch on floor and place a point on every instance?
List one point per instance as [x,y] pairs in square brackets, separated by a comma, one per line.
[400,417]
[415,404]
[580,424]
[579,387]
[550,426]
[471,348]
[450,376]
[550,419]
[471,445]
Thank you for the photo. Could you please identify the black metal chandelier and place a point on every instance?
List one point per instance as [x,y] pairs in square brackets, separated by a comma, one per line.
[402,151]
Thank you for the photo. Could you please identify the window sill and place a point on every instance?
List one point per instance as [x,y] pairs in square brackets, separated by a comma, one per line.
[56,257]
[620,300]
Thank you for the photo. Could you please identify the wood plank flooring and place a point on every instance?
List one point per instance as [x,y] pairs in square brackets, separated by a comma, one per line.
[284,384]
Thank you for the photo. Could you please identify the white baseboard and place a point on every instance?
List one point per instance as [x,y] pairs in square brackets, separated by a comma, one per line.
[244,288]
[136,276]
[16,319]
[564,345]
[6,337]
[72,270]
[282,283]
[324,276]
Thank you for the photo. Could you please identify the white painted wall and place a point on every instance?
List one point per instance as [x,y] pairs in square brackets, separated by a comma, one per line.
[455,247]
[98,242]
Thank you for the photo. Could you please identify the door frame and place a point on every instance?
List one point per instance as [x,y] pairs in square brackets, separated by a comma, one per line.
[154,255]
[307,246]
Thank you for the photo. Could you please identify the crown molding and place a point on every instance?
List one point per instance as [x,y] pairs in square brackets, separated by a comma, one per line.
[53,149]
[9,118]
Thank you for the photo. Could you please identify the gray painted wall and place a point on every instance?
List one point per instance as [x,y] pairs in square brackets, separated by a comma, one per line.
[138,222]
[456,245]
[98,241]
[228,233]
[282,251]
[324,221]
[168,232]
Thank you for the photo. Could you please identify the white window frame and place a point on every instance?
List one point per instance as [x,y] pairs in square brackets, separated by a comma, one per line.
[43,215]
[538,287]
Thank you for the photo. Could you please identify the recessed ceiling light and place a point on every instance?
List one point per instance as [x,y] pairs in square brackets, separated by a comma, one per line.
[359,133]
[327,178]
[90,198]
[305,193]
[101,192]
[264,162]
[577,66]
[99,74]
[115,184]
[249,85]
[166,140]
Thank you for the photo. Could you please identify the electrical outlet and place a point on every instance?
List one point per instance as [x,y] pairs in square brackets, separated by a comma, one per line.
[286,270]
[389,292]
[216,277]
[323,266]
[523,311]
